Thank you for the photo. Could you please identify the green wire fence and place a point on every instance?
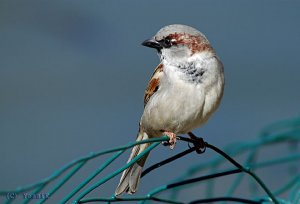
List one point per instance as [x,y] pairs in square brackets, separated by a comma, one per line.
[281,133]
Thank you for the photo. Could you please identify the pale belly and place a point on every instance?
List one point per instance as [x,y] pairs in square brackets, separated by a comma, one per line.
[179,109]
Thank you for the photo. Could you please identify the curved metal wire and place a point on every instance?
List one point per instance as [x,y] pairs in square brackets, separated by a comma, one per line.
[281,132]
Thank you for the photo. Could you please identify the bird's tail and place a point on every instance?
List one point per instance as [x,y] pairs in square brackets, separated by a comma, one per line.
[131,176]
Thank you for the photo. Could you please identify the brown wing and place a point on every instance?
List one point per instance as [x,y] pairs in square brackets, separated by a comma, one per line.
[153,84]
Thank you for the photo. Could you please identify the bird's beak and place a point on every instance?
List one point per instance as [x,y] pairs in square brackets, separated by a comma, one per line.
[153,44]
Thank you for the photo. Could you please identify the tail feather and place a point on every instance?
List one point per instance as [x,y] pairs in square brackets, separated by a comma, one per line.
[131,176]
[135,176]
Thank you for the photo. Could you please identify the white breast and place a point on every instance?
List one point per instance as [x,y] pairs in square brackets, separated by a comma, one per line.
[180,106]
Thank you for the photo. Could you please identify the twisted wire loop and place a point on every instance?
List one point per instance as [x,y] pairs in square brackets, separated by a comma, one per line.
[282,132]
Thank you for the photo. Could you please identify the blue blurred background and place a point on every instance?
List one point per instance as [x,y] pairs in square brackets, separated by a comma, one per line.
[73,74]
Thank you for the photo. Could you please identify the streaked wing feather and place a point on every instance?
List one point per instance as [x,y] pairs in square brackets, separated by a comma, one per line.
[153,84]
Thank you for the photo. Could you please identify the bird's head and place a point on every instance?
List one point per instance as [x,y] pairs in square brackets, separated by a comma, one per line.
[178,42]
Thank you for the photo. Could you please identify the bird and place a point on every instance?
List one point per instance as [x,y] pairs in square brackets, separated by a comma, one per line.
[184,91]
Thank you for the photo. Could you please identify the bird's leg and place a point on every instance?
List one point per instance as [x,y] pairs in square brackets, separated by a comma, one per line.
[199,143]
[172,140]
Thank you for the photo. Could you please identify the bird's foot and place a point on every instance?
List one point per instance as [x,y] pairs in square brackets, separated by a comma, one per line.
[199,143]
[172,140]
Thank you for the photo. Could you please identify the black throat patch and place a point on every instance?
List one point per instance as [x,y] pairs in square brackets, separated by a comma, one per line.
[192,73]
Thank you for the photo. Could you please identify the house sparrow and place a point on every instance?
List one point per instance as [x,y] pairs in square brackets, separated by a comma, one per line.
[184,91]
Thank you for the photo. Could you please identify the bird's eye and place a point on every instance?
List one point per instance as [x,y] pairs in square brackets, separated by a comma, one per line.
[167,42]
